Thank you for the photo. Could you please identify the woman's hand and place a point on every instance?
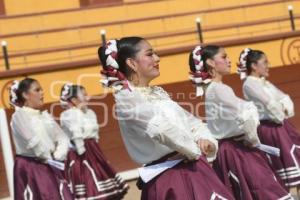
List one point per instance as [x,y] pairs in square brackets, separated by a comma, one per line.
[207,148]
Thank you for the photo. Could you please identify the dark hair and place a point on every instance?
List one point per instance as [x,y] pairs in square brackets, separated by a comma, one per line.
[127,48]
[72,92]
[207,52]
[252,57]
[24,86]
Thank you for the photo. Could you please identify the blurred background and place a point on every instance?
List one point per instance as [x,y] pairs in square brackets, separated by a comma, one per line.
[57,41]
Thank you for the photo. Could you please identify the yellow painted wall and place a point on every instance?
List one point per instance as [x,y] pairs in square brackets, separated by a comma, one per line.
[35,6]
[173,68]
[67,37]
[91,16]
[177,64]
[83,36]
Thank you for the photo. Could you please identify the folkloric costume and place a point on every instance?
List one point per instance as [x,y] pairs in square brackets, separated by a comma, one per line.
[87,170]
[274,108]
[232,120]
[155,128]
[38,140]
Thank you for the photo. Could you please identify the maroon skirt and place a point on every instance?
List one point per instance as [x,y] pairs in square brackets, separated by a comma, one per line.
[35,181]
[186,181]
[247,172]
[287,139]
[91,176]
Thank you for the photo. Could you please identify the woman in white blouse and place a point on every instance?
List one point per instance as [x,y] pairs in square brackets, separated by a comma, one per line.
[274,108]
[38,140]
[88,172]
[233,122]
[155,129]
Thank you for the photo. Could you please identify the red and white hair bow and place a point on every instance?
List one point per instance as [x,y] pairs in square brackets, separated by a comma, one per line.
[199,77]
[65,94]
[242,68]
[111,75]
[13,93]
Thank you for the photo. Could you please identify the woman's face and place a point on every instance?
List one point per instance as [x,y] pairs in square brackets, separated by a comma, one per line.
[221,62]
[34,97]
[146,62]
[261,67]
[83,96]
[82,99]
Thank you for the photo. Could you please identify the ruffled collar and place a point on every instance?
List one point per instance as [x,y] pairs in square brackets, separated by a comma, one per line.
[79,110]
[31,111]
[145,90]
[152,93]
[260,79]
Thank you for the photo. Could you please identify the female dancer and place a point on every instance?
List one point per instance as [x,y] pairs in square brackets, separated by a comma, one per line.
[274,107]
[155,129]
[233,121]
[87,170]
[38,140]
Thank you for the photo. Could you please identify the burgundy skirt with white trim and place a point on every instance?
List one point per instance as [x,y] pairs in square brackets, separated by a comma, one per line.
[287,139]
[34,180]
[186,181]
[90,175]
[247,172]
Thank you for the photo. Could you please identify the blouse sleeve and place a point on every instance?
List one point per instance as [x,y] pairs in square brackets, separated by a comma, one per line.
[60,138]
[94,126]
[285,101]
[199,130]
[153,122]
[255,91]
[244,113]
[288,106]
[23,129]
[71,121]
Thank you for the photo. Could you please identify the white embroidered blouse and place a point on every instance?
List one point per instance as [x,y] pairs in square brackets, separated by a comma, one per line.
[271,102]
[80,125]
[152,125]
[229,116]
[36,134]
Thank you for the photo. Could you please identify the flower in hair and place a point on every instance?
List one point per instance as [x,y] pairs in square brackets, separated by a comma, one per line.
[197,58]
[242,68]
[13,92]
[111,50]
[65,93]
[200,76]
[111,75]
